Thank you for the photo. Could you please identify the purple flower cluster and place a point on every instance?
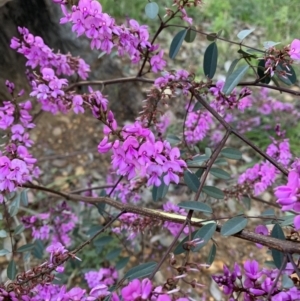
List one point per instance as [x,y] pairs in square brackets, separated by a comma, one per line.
[172,81]
[124,191]
[280,151]
[17,165]
[38,54]
[55,225]
[143,290]
[289,195]
[295,50]
[260,177]
[221,103]
[138,154]
[197,125]
[87,18]
[255,283]
[174,227]
[106,276]
[132,224]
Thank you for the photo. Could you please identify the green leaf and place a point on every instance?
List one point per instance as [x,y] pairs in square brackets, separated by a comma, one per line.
[4,252]
[25,248]
[212,36]
[190,35]
[191,180]
[101,208]
[264,78]
[234,78]
[38,249]
[210,60]
[11,270]
[1,216]
[287,282]
[269,44]
[214,192]
[19,229]
[244,33]
[179,249]
[221,161]
[159,192]
[289,79]
[288,220]
[220,173]
[205,234]
[24,198]
[141,271]
[113,254]
[196,206]
[102,241]
[198,160]
[208,152]
[269,212]
[231,153]
[176,43]
[122,263]
[93,230]
[211,255]
[277,255]
[232,66]
[234,225]
[198,106]
[151,10]
[199,172]
[3,233]
[247,202]
[173,140]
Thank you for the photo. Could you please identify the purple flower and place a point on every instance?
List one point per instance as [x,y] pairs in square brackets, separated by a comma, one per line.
[157,63]
[287,194]
[252,269]
[263,230]
[170,168]
[137,290]
[297,222]
[295,50]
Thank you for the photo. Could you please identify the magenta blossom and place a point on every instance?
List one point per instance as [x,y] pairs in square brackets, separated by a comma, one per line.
[295,50]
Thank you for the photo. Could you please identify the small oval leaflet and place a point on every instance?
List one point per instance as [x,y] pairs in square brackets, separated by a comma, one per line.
[214,192]
[196,206]
[211,255]
[122,263]
[11,270]
[220,173]
[231,153]
[210,60]
[234,225]
[290,78]
[26,248]
[4,252]
[179,249]
[190,35]
[3,233]
[151,10]
[244,33]
[264,78]
[198,160]
[269,44]
[176,43]
[191,180]
[159,192]
[234,78]
[204,234]
[141,271]
[278,256]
